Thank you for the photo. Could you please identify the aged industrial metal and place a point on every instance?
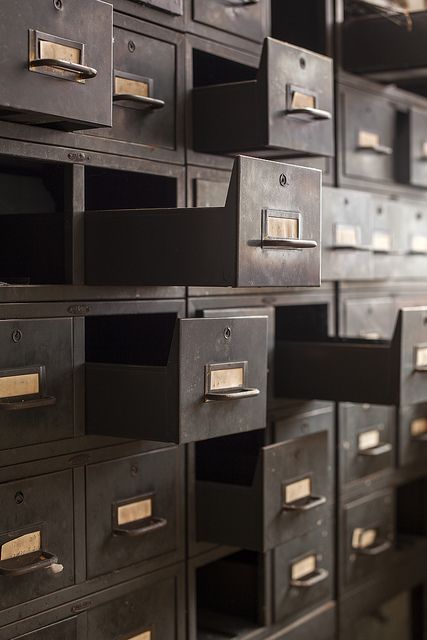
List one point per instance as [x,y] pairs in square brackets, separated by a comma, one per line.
[264,236]
[287,110]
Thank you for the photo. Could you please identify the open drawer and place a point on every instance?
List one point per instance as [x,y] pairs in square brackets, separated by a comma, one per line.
[286,110]
[258,497]
[268,234]
[388,372]
[156,377]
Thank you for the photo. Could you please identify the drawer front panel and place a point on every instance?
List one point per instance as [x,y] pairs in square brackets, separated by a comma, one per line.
[37,363]
[412,434]
[245,19]
[417,149]
[368,136]
[303,573]
[369,318]
[143,614]
[76,36]
[61,631]
[144,87]
[37,521]
[366,440]
[298,486]
[368,536]
[133,510]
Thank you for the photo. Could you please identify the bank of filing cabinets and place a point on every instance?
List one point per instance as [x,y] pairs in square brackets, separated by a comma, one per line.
[213,320]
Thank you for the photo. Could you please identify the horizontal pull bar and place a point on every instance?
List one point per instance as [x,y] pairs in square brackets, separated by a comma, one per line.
[30,403]
[312,112]
[311,503]
[352,247]
[378,450]
[81,70]
[239,394]
[380,149]
[375,549]
[150,103]
[289,243]
[140,528]
[29,563]
[304,583]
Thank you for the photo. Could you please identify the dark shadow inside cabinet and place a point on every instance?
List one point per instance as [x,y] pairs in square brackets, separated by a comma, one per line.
[411,511]
[303,23]
[302,322]
[228,597]
[32,222]
[209,69]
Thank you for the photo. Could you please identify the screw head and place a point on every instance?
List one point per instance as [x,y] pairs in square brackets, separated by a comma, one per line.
[131,46]
[17,335]
[58,5]
[134,470]
[227,333]
[302,63]
[19,497]
[283,180]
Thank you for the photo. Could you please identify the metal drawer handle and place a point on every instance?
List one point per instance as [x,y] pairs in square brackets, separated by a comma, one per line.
[289,243]
[421,438]
[239,394]
[314,578]
[311,503]
[29,563]
[352,247]
[376,549]
[150,103]
[380,149]
[379,450]
[242,3]
[81,70]
[31,403]
[140,528]
[312,112]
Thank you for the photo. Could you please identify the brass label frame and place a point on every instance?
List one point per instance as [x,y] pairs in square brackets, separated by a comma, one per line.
[23,382]
[368,439]
[304,566]
[347,235]
[418,426]
[37,40]
[382,240]
[363,538]
[280,220]
[420,356]
[295,490]
[298,97]
[126,511]
[218,374]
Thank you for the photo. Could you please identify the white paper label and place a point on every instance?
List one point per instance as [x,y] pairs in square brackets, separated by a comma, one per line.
[226,378]
[28,543]
[381,241]
[297,490]
[421,357]
[19,385]
[284,228]
[347,235]
[368,440]
[363,538]
[303,567]
[418,427]
[134,511]
[419,244]
[368,139]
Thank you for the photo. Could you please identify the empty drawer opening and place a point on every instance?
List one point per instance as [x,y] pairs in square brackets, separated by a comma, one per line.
[32,223]
[209,69]
[302,23]
[143,339]
[111,189]
[411,512]
[302,322]
[228,597]
[229,460]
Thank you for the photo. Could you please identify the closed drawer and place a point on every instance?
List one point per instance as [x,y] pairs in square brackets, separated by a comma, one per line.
[368,135]
[346,235]
[144,609]
[258,497]
[372,318]
[205,378]
[58,67]
[366,440]
[173,7]
[319,624]
[144,86]
[368,536]
[134,510]
[303,573]
[411,225]
[67,630]
[412,434]
[269,236]
[412,147]
[246,19]
[36,538]
[385,238]
[393,620]
[36,381]
[287,110]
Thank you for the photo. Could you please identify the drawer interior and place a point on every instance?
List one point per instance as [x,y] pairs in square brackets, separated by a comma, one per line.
[211,69]
[32,220]
[228,597]
[289,23]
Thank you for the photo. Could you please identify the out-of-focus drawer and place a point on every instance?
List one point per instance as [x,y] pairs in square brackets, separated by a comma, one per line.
[385,238]
[368,132]
[303,573]
[411,229]
[366,440]
[367,536]
[58,65]
[346,235]
[412,147]
[36,538]
[134,510]
[36,381]
[372,318]
[259,497]
[412,433]
[246,19]
[67,630]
